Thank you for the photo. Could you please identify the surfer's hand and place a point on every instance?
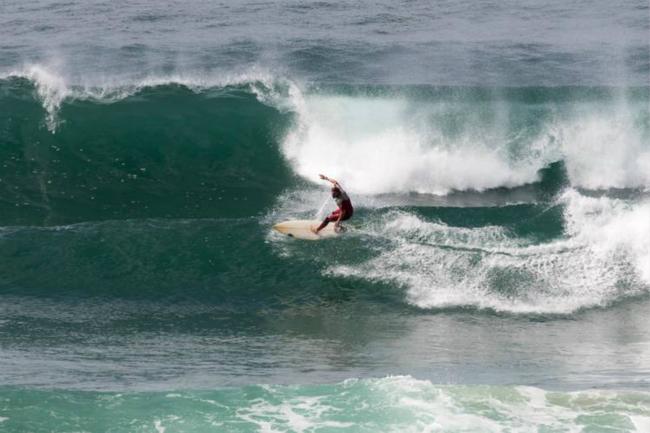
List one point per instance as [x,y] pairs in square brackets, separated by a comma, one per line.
[322,176]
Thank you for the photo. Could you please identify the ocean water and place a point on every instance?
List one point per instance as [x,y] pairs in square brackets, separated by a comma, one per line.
[496,274]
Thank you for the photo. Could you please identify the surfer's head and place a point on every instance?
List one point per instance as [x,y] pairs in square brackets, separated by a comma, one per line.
[336,192]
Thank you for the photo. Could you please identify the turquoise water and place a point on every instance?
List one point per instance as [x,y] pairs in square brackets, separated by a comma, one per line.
[398,403]
[495,276]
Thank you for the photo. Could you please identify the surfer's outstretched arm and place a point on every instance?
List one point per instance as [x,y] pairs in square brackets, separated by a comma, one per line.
[332,181]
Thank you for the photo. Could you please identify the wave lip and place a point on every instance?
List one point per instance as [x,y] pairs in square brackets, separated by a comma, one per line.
[53,87]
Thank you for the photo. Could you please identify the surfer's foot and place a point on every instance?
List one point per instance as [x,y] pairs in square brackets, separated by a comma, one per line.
[313,230]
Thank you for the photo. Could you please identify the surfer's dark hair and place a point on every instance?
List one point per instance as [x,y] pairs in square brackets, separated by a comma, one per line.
[336,191]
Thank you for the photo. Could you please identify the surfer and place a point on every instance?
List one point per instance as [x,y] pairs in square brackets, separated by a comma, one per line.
[344,210]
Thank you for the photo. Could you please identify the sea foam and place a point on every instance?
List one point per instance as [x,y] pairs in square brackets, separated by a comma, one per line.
[603,257]
[390,404]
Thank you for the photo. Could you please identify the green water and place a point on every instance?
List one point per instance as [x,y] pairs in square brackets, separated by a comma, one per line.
[393,404]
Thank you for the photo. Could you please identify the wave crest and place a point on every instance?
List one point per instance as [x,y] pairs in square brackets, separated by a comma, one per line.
[53,87]
[389,142]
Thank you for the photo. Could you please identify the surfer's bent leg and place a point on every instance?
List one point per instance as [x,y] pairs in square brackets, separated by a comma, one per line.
[323,224]
[333,217]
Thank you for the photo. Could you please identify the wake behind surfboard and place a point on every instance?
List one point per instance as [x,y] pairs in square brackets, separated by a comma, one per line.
[301,229]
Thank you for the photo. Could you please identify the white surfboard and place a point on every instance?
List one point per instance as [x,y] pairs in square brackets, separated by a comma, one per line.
[300,229]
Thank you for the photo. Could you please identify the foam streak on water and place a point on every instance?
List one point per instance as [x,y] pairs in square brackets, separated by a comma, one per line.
[603,257]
